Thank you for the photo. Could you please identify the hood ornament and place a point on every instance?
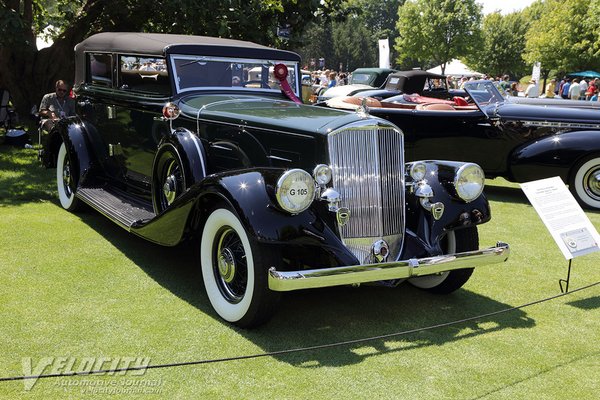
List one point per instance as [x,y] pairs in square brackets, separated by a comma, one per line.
[363,110]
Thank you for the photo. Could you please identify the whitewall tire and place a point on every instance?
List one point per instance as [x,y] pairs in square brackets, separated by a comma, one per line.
[235,276]
[585,183]
[66,180]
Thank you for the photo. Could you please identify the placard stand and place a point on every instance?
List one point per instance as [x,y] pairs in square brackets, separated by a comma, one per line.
[561,281]
[564,218]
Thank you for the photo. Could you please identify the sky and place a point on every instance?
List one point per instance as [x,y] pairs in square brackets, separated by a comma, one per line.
[505,6]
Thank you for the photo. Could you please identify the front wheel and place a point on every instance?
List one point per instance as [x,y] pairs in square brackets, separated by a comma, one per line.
[66,180]
[447,282]
[585,182]
[234,272]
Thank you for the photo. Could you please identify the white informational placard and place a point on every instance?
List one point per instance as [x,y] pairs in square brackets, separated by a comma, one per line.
[570,228]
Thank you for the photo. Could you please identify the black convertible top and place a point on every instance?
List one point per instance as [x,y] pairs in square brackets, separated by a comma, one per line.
[161,44]
[410,81]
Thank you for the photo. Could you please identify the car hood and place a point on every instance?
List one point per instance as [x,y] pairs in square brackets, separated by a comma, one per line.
[527,112]
[266,113]
[343,90]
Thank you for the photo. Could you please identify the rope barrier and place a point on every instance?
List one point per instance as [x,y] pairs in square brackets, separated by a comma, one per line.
[300,349]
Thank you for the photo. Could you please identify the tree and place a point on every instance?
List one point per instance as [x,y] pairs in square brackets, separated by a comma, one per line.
[501,46]
[351,36]
[561,38]
[434,32]
[29,73]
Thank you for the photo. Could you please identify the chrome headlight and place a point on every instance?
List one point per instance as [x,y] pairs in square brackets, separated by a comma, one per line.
[469,182]
[417,171]
[322,174]
[295,191]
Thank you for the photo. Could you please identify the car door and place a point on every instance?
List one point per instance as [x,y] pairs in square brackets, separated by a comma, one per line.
[143,88]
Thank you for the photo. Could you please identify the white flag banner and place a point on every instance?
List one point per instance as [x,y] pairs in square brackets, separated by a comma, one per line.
[384,53]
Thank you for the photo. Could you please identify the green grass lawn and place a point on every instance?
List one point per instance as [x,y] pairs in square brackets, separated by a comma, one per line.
[76,285]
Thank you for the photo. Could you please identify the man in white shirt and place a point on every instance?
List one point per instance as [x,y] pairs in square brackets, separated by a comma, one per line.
[583,87]
[532,89]
[574,90]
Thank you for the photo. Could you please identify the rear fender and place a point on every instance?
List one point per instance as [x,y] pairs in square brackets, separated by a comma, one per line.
[552,155]
[191,151]
[73,133]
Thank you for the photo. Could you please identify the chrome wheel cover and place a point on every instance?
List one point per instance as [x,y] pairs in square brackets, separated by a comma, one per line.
[591,182]
[229,265]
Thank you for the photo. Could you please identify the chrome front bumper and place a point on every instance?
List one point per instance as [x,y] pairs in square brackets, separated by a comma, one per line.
[282,281]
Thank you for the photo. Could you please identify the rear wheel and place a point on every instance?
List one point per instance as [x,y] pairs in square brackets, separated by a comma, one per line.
[234,272]
[585,182]
[447,282]
[168,180]
[66,180]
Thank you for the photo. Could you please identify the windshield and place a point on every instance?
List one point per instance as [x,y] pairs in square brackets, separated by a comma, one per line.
[198,72]
[361,78]
[483,93]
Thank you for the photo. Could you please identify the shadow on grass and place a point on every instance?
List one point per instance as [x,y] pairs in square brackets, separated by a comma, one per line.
[22,177]
[322,316]
[591,303]
[505,194]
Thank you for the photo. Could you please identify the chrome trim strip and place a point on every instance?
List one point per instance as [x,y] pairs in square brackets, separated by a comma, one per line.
[283,281]
[562,125]
[279,158]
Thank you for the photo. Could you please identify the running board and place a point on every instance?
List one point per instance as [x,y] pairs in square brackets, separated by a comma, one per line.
[117,205]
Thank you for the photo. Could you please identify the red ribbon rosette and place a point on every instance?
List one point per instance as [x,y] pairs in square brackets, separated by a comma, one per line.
[281,72]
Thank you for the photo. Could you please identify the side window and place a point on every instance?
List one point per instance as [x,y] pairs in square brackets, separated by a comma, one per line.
[144,74]
[100,69]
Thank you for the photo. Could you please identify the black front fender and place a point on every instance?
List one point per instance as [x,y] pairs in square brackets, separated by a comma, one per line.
[424,231]
[310,236]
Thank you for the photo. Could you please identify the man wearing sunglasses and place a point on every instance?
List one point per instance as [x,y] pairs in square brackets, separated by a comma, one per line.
[56,105]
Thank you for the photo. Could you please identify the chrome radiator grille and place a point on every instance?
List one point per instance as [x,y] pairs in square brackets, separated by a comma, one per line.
[368,172]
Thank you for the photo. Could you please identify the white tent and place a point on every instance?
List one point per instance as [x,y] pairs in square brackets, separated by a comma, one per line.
[455,68]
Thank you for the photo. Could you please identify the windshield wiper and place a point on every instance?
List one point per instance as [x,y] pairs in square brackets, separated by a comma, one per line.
[198,60]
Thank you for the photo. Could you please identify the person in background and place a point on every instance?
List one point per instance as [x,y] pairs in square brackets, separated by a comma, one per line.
[332,80]
[550,88]
[564,91]
[591,90]
[532,89]
[505,84]
[594,96]
[583,86]
[514,89]
[574,91]
[56,105]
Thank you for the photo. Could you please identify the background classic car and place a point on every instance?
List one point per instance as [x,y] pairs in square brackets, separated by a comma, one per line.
[520,142]
[360,79]
[172,141]
[413,82]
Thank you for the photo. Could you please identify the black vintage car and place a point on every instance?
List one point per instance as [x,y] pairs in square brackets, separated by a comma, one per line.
[173,141]
[520,142]
[413,82]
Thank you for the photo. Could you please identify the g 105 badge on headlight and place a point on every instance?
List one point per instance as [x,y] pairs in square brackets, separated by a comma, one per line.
[295,191]
[469,182]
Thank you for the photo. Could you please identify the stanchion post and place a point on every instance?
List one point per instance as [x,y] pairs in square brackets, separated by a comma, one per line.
[561,281]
